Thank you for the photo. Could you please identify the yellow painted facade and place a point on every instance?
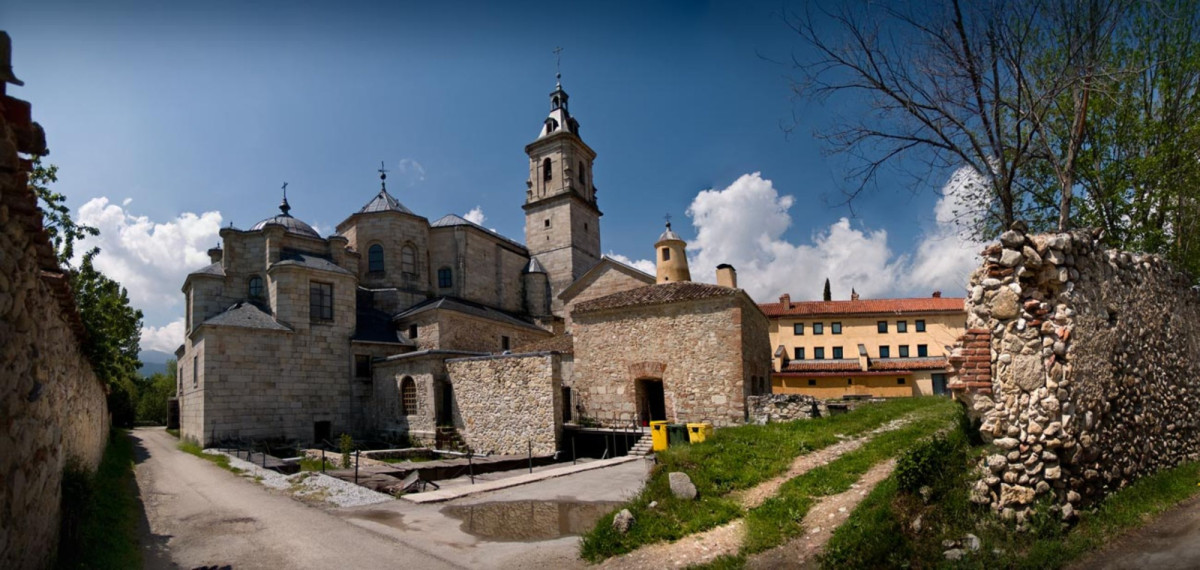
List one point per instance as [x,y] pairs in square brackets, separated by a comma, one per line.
[825,340]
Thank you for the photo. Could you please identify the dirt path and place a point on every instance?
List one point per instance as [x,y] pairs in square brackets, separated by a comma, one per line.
[1170,541]
[706,546]
[820,523]
[199,515]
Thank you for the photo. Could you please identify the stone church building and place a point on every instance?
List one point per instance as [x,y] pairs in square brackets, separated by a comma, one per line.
[402,326]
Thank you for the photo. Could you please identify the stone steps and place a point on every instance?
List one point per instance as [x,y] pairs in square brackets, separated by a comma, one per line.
[643,447]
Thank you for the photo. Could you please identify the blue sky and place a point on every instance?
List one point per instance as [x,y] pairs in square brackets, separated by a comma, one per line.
[160,112]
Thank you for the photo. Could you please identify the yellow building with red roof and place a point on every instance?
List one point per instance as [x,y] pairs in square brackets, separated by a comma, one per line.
[863,347]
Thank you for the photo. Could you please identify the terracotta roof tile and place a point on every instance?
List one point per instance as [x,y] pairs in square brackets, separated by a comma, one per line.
[822,366]
[929,363]
[655,295]
[865,307]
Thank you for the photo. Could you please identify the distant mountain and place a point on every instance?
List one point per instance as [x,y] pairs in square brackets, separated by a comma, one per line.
[154,362]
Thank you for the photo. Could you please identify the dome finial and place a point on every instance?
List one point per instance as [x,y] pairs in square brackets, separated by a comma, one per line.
[558,66]
[668,219]
[382,177]
[283,206]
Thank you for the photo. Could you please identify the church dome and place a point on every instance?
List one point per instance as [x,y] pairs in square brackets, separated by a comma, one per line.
[292,225]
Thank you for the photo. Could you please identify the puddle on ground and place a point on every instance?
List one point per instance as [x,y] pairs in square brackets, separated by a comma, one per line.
[387,518]
[528,521]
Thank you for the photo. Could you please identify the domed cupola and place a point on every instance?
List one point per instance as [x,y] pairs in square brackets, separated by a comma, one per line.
[292,225]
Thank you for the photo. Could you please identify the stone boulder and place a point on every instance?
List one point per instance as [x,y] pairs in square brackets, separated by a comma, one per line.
[623,521]
[682,486]
[1005,304]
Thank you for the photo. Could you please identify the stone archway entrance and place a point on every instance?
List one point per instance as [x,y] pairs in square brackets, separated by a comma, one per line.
[651,403]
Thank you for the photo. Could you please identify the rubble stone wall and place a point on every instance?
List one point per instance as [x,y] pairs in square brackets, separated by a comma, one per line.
[509,403]
[53,412]
[782,408]
[1094,361]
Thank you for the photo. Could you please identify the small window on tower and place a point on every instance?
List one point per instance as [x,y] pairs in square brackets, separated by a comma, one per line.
[412,331]
[546,223]
[256,287]
[666,254]
[547,174]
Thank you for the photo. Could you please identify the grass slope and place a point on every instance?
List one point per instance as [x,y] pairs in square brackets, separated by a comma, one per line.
[100,512]
[733,459]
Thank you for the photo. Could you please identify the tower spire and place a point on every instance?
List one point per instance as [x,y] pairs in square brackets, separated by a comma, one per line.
[382,177]
[283,206]
[558,66]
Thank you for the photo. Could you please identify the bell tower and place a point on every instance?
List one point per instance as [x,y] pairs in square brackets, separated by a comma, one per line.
[562,220]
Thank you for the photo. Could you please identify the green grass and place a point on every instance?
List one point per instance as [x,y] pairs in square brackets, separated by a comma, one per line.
[406,460]
[733,459]
[879,534]
[174,432]
[314,464]
[100,512]
[221,461]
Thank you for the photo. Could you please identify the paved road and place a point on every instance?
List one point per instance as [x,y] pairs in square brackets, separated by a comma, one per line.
[199,515]
[1170,541]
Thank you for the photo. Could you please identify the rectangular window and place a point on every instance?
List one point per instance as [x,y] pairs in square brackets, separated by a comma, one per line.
[412,331]
[885,352]
[920,325]
[799,353]
[835,328]
[445,278]
[837,352]
[320,301]
[362,366]
[899,380]
[195,370]
[812,382]
[819,353]
[881,326]
[503,342]
[901,326]
[798,329]
[666,254]
[818,328]
[922,350]
[904,351]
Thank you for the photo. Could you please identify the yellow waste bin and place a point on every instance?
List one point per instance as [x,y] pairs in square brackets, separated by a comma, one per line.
[699,432]
[658,435]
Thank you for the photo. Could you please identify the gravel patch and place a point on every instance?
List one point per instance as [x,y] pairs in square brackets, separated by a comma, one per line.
[308,485]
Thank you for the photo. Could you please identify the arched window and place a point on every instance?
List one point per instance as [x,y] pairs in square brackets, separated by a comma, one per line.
[547,174]
[445,278]
[255,287]
[375,259]
[408,260]
[408,396]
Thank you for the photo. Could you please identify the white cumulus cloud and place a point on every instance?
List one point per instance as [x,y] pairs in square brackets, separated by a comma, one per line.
[475,216]
[411,170]
[151,259]
[642,264]
[165,338]
[744,225]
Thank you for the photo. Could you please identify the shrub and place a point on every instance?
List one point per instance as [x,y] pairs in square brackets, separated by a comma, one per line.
[925,463]
[347,445]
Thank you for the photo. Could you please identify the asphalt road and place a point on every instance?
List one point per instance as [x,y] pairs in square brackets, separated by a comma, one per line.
[197,515]
[1170,541]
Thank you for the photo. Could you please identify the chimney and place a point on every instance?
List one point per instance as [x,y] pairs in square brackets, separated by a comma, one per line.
[785,300]
[215,254]
[726,276]
[853,295]
[937,294]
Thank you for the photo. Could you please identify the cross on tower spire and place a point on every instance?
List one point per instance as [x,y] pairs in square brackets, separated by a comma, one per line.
[382,176]
[558,66]
[668,219]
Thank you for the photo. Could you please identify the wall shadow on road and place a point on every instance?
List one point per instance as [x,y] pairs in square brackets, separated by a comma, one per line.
[155,554]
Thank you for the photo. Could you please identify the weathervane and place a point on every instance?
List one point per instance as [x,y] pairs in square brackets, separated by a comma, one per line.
[382,176]
[558,65]
[668,219]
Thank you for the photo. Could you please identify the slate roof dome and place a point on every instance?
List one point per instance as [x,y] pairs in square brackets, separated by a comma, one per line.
[384,202]
[669,235]
[292,225]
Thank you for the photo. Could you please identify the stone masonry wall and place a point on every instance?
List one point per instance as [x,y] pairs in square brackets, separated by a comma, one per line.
[52,406]
[1094,358]
[507,403]
[769,408]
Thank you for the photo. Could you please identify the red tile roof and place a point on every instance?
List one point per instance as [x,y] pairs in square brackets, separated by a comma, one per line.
[822,366]
[876,367]
[929,363]
[865,307]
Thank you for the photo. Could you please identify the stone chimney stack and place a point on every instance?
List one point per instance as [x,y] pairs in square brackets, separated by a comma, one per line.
[215,254]
[726,276]
[853,295]
[785,300]
[937,294]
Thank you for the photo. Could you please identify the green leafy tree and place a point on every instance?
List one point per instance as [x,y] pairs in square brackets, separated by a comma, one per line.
[113,326]
[154,392]
[828,295]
